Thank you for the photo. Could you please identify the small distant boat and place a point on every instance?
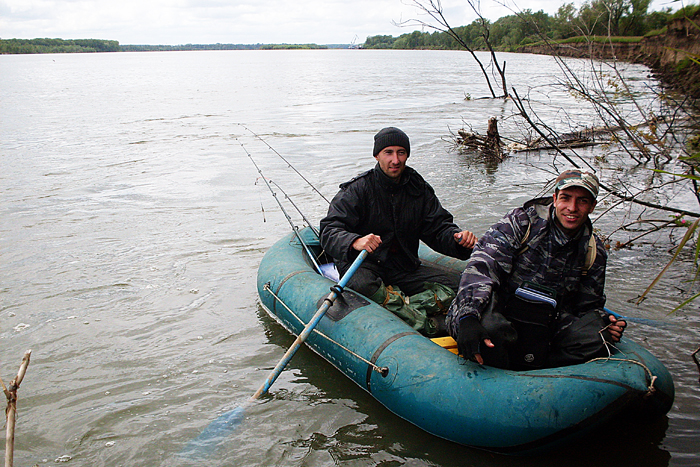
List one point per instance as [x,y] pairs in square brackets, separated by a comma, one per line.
[426,384]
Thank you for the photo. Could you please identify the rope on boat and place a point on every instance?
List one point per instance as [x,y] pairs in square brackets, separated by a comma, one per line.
[652,378]
[381,370]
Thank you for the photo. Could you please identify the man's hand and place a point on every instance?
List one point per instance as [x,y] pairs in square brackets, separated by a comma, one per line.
[369,242]
[466,239]
[469,338]
[616,328]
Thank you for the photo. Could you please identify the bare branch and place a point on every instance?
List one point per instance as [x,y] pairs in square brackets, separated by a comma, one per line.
[433,8]
[10,412]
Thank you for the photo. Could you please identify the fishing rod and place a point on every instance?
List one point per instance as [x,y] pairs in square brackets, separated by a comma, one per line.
[295,229]
[285,160]
[318,235]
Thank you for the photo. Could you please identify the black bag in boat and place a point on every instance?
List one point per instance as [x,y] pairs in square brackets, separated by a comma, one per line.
[531,312]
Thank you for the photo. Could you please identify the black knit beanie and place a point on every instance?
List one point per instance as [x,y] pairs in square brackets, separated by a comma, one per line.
[391,137]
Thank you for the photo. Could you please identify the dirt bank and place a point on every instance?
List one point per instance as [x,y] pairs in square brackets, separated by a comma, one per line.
[666,54]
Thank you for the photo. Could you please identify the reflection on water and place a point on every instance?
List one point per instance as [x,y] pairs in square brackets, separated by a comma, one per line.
[131,227]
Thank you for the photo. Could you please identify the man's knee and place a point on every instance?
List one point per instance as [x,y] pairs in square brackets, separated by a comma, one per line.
[577,340]
[365,282]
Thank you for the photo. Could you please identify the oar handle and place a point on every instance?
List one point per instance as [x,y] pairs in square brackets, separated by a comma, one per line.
[308,329]
[614,313]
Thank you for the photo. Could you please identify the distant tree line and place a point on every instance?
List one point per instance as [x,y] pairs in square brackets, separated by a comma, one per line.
[627,18]
[43,46]
[161,48]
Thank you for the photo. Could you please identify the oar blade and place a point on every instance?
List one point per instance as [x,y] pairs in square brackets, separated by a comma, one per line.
[225,424]
[216,432]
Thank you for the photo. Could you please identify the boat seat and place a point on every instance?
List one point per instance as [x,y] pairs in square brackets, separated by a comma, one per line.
[446,343]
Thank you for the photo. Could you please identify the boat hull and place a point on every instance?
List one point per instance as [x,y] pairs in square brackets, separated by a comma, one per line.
[479,406]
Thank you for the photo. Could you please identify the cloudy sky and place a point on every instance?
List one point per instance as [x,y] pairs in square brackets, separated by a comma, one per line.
[237,21]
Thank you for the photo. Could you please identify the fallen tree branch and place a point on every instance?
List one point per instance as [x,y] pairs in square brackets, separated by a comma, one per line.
[629,242]
[632,199]
[11,411]
[433,8]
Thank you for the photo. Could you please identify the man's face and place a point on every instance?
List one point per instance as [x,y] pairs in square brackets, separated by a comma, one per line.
[392,160]
[572,207]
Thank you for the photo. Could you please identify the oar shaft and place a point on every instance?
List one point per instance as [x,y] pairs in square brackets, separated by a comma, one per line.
[308,329]
[647,321]
[274,374]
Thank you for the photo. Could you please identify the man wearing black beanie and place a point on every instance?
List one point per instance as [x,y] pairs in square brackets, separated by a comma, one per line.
[387,211]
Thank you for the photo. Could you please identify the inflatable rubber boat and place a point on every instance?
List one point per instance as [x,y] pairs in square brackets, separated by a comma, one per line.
[424,382]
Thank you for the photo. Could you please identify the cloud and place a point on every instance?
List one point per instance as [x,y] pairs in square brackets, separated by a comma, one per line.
[231,21]
[201,21]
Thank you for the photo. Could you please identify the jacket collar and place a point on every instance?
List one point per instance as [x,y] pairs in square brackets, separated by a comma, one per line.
[387,183]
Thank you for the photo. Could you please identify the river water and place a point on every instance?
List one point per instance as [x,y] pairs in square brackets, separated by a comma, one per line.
[132,223]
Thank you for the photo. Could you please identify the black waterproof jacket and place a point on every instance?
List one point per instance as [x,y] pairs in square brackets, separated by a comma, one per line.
[401,213]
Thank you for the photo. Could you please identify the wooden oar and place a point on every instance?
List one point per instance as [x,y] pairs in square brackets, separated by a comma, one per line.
[224,424]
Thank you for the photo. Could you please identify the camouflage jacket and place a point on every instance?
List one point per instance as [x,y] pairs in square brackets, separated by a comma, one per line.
[508,255]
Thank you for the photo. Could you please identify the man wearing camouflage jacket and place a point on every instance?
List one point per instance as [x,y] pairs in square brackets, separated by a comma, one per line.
[532,293]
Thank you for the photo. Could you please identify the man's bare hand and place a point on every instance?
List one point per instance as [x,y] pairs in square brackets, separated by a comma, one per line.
[369,242]
[466,239]
[616,328]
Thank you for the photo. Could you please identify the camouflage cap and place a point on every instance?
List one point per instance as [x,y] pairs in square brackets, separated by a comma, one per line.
[575,177]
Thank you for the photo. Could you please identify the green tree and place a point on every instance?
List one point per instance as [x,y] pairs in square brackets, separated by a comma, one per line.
[633,23]
[591,18]
[506,33]
[414,40]
[563,23]
[379,42]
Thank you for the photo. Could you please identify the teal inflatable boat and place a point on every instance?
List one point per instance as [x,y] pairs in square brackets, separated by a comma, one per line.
[431,387]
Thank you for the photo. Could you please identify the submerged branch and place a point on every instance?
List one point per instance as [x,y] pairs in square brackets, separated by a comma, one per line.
[433,8]
[656,228]
[489,145]
[523,113]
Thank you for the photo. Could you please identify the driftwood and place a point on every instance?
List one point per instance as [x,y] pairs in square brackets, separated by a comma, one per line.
[583,138]
[574,139]
[492,148]
[489,145]
[11,411]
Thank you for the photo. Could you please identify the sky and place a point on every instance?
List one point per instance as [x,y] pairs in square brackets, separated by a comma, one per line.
[175,22]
